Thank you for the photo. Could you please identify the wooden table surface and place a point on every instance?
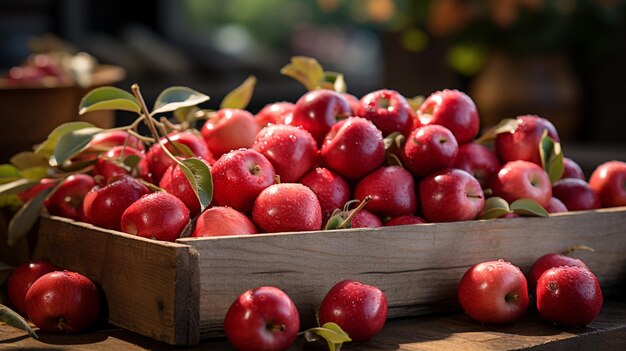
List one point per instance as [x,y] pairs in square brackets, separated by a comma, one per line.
[445,332]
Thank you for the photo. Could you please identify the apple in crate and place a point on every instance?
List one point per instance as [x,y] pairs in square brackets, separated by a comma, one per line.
[318,110]
[353,148]
[429,149]
[22,278]
[176,183]
[523,142]
[450,195]
[576,194]
[67,200]
[262,319]
[274,113]
[569,296]
[229,129]
[392,190]
[160,216]
[159,161]
[454,110]
[287,207]
[239,177]
[522,180]
[219,221]
[359,309]
[63,301]
[388,110]
[479,161]
[494,292]
[331,189]
[609,181]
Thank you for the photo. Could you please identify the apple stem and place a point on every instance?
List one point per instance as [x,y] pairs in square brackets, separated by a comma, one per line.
[276,177]
[353,213]
[573,248]
[511,298]
[152,125]
[276,327]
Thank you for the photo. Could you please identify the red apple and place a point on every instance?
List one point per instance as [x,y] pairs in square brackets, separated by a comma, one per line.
[22,278]
[571,169]
[609,181]
[522,180]
[104,206]
[220,221]
[354,102]
[331,190]
[160,216]
[366,219]
[429,149]
[548,261]
[318,110]
[388,110]
[359,309]
[110,164]
[392,190]
[450,195]
[523,142]
[291,150]
[44,183]
[262,319]
[175,182]
[274,113]
[404,220]
[106,140]
[353,148]
[494,292]
[239,177]
[63,301]
[287,207]
[576,194]
[479,161]
[453,110]
[229,129]
[159,161]
[569,296]
[556,206]
[67,199]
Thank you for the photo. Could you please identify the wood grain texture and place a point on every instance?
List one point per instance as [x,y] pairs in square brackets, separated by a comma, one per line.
[418,267]
[151,287]
[428,333]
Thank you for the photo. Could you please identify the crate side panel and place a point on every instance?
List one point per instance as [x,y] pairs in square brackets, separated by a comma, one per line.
[418,267]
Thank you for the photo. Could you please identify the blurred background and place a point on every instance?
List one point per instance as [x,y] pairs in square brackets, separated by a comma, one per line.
[561,59]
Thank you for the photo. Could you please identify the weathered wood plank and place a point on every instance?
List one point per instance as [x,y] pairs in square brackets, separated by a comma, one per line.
[151,287]
[417,266]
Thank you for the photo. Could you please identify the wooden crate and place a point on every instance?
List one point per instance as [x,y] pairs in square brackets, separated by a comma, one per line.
[179,292]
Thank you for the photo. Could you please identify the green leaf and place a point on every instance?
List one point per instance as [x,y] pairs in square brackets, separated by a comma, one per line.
[240,96]
[13,319]
[17,186]
[11,202]
[108,98]
[551,157]
[72,143]
[131,161]
[176,146]
[495,207]
[27,216]
[507,125]
[334,222]
[199,176]
[331,332]
[340,84]
[46,148]
[186,114]
[334,81]
[28,159]
[8,173]
[394,143]
[174,98]
[305,70]
[34,173]
[528,207]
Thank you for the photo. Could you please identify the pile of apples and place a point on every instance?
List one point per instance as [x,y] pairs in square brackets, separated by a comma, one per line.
[294,166]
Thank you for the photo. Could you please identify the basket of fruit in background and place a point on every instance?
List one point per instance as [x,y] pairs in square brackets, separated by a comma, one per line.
[400,194]
[44,92]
